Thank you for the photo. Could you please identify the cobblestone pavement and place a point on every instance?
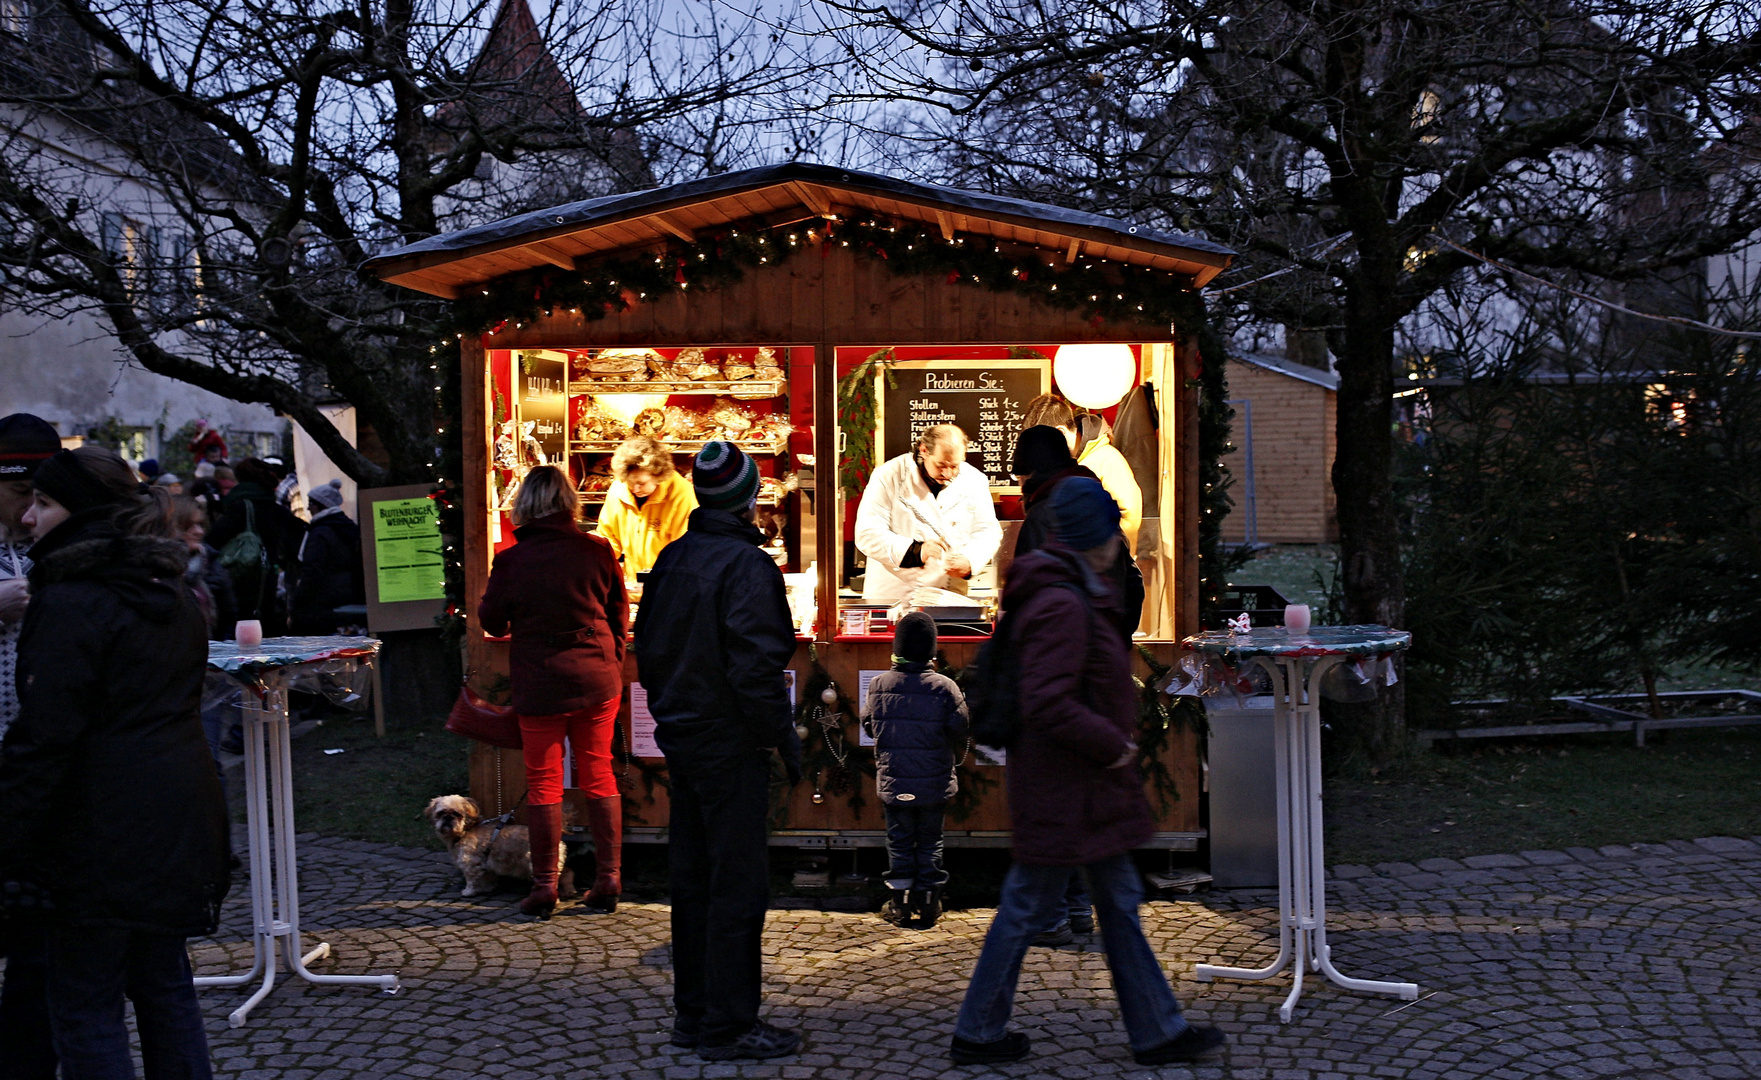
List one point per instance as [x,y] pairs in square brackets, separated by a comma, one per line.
[1636,962]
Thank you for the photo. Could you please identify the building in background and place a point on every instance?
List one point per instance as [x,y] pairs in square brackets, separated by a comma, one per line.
[1282,464]
[67,366]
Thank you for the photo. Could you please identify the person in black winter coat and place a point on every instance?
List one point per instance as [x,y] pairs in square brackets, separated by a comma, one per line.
[257,591]
[713,636]
[114,813]
[327,572]
[916,718]
[1042,462]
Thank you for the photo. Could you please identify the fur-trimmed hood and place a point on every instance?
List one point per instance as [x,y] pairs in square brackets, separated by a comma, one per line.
[145,572]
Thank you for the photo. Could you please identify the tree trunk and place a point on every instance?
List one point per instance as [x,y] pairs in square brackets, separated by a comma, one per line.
[1369,533]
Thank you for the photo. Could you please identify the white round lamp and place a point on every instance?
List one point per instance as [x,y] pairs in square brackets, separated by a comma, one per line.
[1094,376]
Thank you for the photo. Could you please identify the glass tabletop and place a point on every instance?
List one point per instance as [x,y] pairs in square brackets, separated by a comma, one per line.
[288,651]
[1318,641]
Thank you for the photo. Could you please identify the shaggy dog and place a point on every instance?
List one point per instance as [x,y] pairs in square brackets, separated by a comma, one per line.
[486,851]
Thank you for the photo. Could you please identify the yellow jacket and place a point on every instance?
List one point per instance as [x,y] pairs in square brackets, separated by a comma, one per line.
[638,533]
[1107,463]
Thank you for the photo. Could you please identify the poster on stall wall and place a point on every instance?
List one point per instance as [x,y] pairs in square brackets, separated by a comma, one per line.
[544,408]
[863,678]
[642,742]
[403,558]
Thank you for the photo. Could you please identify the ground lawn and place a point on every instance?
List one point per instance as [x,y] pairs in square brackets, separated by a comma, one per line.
[376,788]
[1541,794]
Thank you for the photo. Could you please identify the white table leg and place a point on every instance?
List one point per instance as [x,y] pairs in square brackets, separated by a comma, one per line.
[1281,767]
[1302,873]
[275,888]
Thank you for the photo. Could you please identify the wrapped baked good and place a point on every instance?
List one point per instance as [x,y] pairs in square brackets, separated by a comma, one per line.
[651,421]
[731,417]
[621,364]
[687,425]
[692,364]
[736,367]
[595,424]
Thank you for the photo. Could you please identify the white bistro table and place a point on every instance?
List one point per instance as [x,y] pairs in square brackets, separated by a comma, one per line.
[1296,663]
[267,673]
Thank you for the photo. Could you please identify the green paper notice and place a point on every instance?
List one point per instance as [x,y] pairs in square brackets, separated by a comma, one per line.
[406,545]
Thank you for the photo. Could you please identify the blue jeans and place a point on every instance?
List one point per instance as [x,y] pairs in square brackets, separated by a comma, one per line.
[92,969]
[1032,895]
[1076,901]
[914,846]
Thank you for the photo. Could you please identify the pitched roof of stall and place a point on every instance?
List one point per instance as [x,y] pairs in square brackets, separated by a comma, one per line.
[577,232]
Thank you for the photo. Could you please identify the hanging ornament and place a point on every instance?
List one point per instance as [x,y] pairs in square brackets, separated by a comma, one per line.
[829,695]
[818,796]
[801,732]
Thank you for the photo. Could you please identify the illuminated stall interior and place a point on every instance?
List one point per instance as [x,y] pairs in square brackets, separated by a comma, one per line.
[820,318]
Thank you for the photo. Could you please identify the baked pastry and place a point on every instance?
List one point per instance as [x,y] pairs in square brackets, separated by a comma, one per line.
[651,421]
[621,364]
[730,417]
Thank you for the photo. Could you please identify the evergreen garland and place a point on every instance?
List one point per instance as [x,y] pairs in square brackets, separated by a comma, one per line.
[858,417]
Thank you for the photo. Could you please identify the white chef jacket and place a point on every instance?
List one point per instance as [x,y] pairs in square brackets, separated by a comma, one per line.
[886,527]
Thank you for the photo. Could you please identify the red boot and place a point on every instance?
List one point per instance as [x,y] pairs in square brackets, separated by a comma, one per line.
[606,818]
[544,826]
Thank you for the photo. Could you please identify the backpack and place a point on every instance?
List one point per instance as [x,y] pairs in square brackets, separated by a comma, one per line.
[245,557]
[993,686]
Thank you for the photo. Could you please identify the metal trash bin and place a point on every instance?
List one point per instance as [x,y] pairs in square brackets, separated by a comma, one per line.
[1243,786]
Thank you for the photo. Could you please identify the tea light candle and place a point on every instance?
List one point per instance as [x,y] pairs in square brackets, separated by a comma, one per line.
[1296,618]
[248,634]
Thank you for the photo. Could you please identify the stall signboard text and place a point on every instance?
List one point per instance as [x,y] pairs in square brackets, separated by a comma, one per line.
[409,563]
[544,409]
[985,398]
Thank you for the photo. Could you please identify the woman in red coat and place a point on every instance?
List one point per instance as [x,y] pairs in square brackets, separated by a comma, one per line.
[560,590]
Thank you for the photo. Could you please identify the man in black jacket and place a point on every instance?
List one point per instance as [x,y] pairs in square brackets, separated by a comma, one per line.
[329,572]
[713,636]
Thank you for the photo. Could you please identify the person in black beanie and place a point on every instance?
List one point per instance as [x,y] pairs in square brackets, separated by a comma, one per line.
[105,762]
[916,718]
[1042,460]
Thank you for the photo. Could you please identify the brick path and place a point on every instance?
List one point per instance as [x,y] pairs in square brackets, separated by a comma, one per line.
[1625,962]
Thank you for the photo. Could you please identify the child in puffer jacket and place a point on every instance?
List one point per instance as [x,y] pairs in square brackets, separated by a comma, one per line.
[917,718]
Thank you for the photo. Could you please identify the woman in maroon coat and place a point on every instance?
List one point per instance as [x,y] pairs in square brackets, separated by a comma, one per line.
[1076,799]
[560,590]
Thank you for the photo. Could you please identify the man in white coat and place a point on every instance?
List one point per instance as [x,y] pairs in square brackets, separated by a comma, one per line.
[926,519]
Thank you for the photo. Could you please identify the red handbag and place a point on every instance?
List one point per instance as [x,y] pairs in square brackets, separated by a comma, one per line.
[475,717]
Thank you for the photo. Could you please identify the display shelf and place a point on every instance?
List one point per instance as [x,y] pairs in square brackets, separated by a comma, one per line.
[765,498]
[690,446]
[755,388]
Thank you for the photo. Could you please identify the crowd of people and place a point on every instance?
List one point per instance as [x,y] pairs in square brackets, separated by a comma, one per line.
[113,580]
[111,583]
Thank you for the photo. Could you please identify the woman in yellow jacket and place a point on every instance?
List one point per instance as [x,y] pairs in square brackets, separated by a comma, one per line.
[647,506]
[1094,448]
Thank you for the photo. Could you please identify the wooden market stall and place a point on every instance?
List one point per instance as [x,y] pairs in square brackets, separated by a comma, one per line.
[820,317]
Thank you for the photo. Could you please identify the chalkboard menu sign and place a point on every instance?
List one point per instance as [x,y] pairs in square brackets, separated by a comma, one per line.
[544,409]
[986,398]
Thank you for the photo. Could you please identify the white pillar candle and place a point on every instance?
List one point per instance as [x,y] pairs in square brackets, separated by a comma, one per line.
[1296,618]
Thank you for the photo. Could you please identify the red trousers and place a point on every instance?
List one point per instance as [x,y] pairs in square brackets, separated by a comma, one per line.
[589,732]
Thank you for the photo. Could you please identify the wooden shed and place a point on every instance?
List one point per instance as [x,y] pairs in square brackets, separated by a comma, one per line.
[1282,464]
[790,308]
